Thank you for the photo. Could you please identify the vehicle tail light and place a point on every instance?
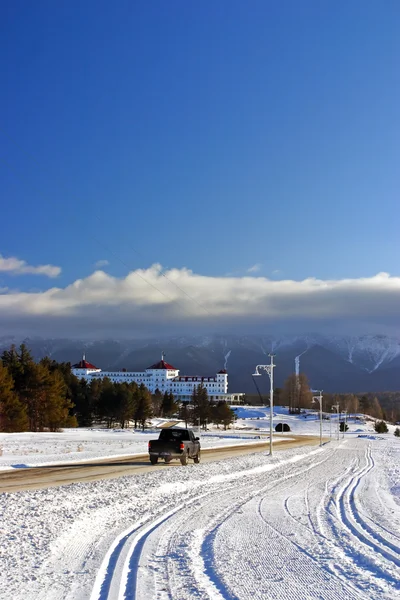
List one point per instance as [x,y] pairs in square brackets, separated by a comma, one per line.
[149,445]
[182,446]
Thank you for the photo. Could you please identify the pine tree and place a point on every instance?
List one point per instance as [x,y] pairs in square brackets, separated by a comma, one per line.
[55,406]
[397,432]
[169,407]
[125,400]
[144,408]
[13,417]
[157,399]
[105,407]
[381,427]
[201,406]
[222,413]
[10,360]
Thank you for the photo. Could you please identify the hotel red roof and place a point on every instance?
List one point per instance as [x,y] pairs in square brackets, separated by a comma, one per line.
[162,365]
[84,364]
[223,372]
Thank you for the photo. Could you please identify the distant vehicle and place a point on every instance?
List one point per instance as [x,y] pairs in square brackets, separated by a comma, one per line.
[175,443]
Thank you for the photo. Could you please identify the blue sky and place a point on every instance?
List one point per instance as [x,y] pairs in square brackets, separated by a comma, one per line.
[211,136]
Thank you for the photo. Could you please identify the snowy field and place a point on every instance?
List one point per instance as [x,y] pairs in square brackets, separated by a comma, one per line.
[20,450]
[308,523]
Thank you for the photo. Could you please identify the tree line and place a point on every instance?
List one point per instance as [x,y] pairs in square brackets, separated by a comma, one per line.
[297,395]
[47,396]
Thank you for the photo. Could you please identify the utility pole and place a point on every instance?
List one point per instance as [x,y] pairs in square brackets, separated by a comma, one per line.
[270,371]
[336,407]
[319,399]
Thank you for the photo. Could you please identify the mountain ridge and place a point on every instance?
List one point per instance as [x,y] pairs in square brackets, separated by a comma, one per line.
[333,363]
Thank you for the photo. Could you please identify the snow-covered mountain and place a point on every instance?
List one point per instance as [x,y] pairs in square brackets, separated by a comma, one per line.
[333,363]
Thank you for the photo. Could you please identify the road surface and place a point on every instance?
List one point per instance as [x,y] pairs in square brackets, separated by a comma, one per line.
[62,474]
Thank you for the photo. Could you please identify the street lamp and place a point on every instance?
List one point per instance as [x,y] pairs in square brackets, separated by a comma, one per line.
[336,407]
[319,399]
[270,370]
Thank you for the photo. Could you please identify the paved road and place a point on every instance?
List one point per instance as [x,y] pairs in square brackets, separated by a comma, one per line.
[62,474]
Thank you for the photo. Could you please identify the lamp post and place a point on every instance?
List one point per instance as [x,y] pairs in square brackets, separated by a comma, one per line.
[319,399]
[336,407]
[270,370]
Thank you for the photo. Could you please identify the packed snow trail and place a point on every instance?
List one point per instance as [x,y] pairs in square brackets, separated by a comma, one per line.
[307,523]
[288,532]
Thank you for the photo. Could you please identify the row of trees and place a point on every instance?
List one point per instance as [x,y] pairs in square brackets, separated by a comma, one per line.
[33,396]
[47,396]
[202,410]
[296,394]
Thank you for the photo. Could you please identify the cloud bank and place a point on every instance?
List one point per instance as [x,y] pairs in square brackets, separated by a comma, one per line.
[15,266]
[150,302]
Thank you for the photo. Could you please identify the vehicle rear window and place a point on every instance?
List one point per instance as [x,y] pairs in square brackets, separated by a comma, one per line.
[174,434]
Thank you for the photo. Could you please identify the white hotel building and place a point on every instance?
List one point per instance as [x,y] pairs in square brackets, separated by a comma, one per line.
[164,377]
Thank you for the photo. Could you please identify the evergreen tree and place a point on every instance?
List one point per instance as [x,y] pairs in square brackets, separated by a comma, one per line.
[381,427]
[201,406]
[84,401]
[169,407]
[157,399]
[54,410]
[397,432]
[125,400]
[222,413]
[105,407]
[13,415]
[144,408]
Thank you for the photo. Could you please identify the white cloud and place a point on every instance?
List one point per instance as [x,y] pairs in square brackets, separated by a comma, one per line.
[15,266]
[255,268]
[101,263]
[146,301]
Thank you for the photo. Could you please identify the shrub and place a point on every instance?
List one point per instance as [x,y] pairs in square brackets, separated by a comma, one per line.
[343,426]
[282,427]
[381,427]
[397,432]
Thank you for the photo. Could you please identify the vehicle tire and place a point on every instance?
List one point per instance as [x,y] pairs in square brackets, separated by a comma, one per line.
[167,460]
[197,458]
[184,459]
[154,460]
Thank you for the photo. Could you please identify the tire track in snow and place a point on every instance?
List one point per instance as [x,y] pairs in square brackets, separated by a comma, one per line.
[367,523]
[106,585]
[354,522]
[208,542]
[356,553]
[197,563]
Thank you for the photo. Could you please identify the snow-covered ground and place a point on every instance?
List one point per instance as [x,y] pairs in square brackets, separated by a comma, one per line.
[307,423]
[19,450]
[307,523]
